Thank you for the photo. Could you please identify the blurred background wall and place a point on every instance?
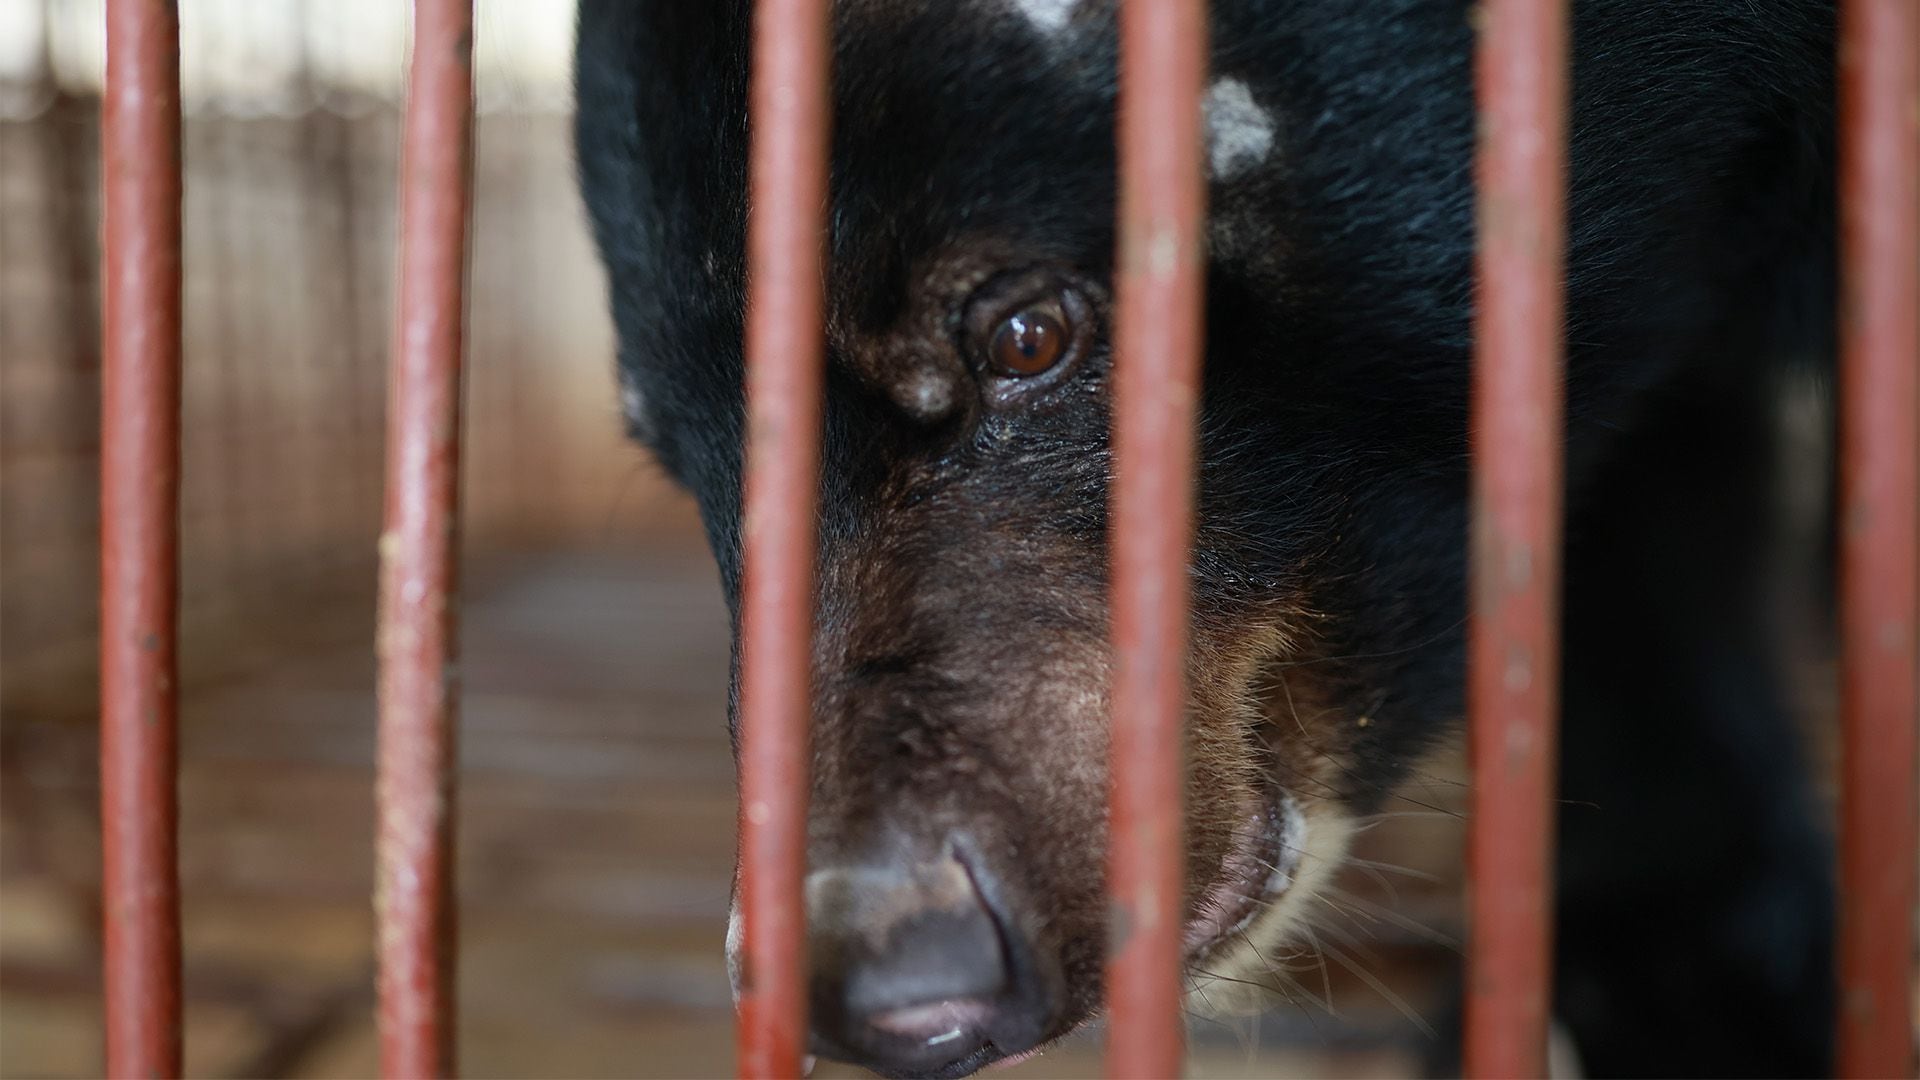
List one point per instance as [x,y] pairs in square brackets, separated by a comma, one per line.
[290,155]
[596,802]
[596,651]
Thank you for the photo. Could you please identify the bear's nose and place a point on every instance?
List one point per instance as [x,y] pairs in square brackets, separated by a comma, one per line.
[914,970]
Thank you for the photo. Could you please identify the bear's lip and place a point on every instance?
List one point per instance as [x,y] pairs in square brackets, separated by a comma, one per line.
[1260,866]
[1266,855]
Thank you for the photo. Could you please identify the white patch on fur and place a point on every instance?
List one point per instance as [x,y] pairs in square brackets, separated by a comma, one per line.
[633,405]
[734,931]
[1563,1057]
[1239,131]
[1293,837]
[1049,15]
[926,392]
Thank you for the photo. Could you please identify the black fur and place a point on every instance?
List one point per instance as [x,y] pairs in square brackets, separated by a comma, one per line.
[1694,907]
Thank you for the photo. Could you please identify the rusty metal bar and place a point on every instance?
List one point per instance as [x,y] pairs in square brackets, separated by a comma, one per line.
[140,537]
[786,251]
[1879,396]
[1513,629]
[418,551]
[1157,348]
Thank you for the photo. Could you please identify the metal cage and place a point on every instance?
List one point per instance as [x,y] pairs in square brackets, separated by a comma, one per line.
[1522,87]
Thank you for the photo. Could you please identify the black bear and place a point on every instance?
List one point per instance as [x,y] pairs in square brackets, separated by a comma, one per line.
[956,837]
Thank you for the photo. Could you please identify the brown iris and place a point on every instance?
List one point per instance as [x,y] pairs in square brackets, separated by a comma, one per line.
[1029,342]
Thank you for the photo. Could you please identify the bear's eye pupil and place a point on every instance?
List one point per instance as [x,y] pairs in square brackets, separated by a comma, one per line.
[1028,343]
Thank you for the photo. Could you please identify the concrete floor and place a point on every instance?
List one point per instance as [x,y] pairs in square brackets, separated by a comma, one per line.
[596,821]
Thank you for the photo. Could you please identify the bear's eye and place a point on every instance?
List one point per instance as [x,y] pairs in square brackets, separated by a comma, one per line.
[1030,341]
[1026,332]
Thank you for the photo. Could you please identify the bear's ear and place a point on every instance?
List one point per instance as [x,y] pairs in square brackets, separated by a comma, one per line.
[1239,131]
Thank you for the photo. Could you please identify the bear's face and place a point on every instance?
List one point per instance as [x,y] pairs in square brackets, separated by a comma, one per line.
[961,665]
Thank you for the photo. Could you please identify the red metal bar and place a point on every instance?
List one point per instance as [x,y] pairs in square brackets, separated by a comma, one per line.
[140,536]
[418,571]
[786,251]
[1513,631]
[1157,348]
[1879,395]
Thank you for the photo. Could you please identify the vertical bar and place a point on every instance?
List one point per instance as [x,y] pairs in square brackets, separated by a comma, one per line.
[140,536]
[786,232]
[1157,345]
[1879,394]
[418,575]
[1513,630]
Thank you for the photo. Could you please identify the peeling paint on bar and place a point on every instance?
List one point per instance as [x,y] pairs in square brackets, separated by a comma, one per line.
[140,538]
[785,343]
[1878,397]
[418,573]
[1514,621]
[1157,358]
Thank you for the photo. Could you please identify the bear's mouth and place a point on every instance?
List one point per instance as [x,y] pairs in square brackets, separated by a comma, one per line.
[1260,866]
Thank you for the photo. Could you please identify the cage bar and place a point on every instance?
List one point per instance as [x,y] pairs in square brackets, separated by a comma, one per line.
[140,537]
[1157,345]
[786,252]
[418,550]
[1514,577]
[1879,395]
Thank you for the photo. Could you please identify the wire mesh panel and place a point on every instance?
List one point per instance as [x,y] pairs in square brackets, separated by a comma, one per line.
[139,546]
[1513,634]
[1879,107]
[786,253]
[418,584]
[1157,343]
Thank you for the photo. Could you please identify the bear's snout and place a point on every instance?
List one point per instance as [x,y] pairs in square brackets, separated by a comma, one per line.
[917,966]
